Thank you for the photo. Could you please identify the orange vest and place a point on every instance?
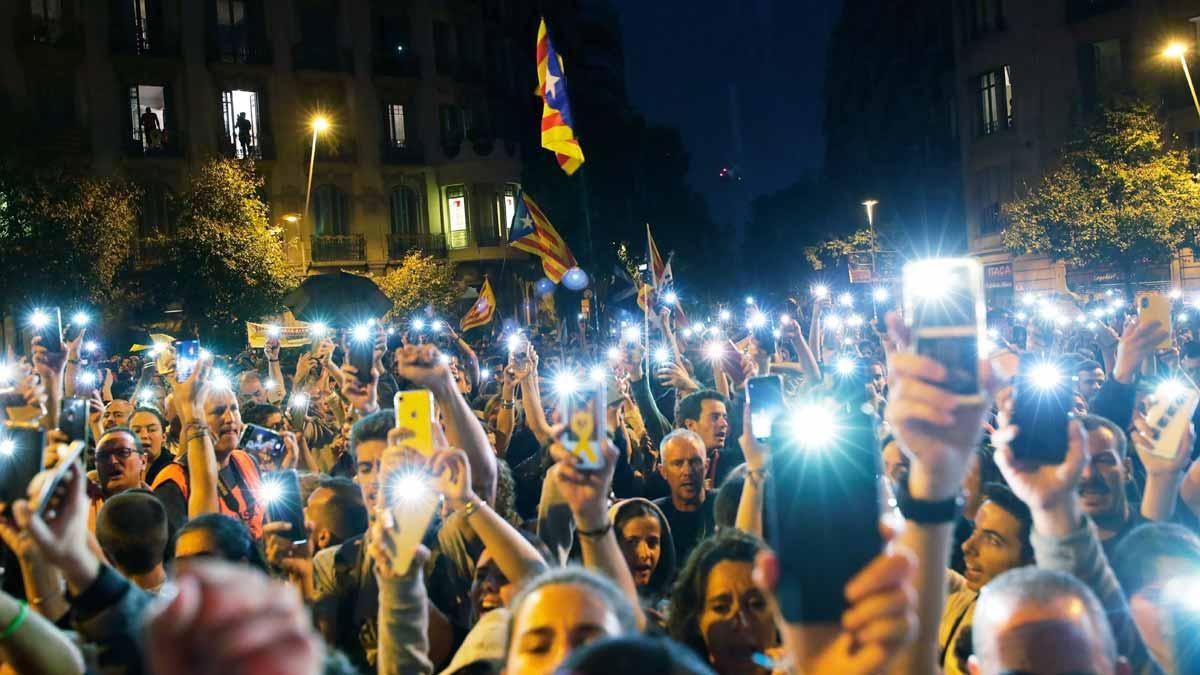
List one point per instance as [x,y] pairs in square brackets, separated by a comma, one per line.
[250,511]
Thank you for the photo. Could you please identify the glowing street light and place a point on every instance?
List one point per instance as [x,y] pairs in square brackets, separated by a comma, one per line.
[319,124]
[1178,50]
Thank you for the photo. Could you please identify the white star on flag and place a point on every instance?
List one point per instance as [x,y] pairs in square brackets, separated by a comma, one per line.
[551,83]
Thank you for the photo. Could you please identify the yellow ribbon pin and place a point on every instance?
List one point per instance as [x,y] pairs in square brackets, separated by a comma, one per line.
[582,425]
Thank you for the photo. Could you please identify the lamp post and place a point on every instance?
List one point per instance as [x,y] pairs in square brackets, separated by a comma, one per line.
[869,205]
[1179,50]
[319,125]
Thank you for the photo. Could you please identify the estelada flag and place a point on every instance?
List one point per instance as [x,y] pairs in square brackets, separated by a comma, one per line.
[658,268]
[558,134]
[532,232]
[482,311]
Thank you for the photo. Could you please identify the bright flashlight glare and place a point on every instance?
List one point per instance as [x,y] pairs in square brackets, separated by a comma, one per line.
[1175,294]
[274,331]
[757,320]
[854,321]
[670,297]
[1183,317]
[418,324]
[409,487]
[687,332]
[662,355]
[1080,318]
[320,123]
[1175,50]
[91,346]
[724,315]
[613,353]
[81,319]
[360,333]
[598,374]
[833,321]
[986,347]
[714,351]
[1021,316]
[220,381]
[813,426]
[566,383]
[846,365]
[145,396]
[299,400]
[820,291]
[437,325]
[1118,302]
[270,492]
[7,447]
[927,280]
[444,359]
[631,333]
[87,378]
[269,384]
[1045,376]
[1171,389]
[846,299]
[204,353]
[515,342]
[1028,299]
[39,319]
[318,329]
[880,294]
[1048,312]
[749,299]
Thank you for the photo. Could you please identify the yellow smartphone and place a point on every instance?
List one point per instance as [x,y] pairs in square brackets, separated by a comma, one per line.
[1156,307]
[414,413]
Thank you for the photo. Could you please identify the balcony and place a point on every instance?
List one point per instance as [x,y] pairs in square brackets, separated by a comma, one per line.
[338,248]
[389,63]
[262,147]
[143,39]
[400,244]
[240,45]
[169,144]
[322,57]
[411,153]
[460,239]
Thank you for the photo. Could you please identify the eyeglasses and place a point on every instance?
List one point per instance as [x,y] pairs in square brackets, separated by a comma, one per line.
[120,454]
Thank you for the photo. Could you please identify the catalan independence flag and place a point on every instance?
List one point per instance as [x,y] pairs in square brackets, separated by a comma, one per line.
[532,232]
[557,131]
[482,311]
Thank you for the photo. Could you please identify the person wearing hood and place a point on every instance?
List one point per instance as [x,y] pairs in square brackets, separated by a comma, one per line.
[645,537]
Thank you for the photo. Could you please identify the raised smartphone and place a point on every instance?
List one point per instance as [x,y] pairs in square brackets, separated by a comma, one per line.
[73,419]
[284,505]
[765,397]
[586,414]
[46,497]
[414,414]
[1042,401]
[258,440]
[945,313]
[22,446]
[1156,307]
[186,354]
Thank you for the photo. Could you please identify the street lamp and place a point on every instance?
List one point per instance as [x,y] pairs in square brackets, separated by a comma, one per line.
[1178,50]
[320,124]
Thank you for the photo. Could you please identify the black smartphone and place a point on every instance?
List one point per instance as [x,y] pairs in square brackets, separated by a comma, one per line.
[1042,401]
[945,313]
[824,487]
[47,324]
[47,497]
[283,503]
[22,447]
[73,419]
[258,441]
[298,410]
[186,354]
[362,352]
[765,395]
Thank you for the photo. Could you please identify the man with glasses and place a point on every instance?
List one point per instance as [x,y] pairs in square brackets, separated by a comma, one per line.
[120,466]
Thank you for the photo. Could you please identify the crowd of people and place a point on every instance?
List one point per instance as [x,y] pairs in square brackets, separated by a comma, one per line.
[157,551]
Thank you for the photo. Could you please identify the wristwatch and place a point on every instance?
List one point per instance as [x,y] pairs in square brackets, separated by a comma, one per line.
[925,512]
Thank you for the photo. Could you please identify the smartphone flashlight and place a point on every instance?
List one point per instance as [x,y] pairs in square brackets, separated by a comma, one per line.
[91,346]
[757,320]
[87,378]
[437,326]
[566,383]
[220,381]
[724,315]
[714,351]
[418,325]
[749,299]
[360,333]
[269,492]
[274,331]
[598,374]
[1045,376]
[670,297]
[820,291]
[81,319]
[7,447]
[662,355]
[318,329]
[813,426]
[631,333]
[846,365]
[846,299]
[515,342]
[299,400]
[880,295]
[39,319]
[408,487]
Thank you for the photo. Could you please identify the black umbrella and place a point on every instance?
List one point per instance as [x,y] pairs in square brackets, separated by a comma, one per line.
[340,297]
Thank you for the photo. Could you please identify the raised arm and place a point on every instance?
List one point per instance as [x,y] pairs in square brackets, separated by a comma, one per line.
[274,371]
[750,507]
[190,398]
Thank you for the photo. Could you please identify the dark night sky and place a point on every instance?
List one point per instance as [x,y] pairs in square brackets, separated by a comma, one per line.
[682,56]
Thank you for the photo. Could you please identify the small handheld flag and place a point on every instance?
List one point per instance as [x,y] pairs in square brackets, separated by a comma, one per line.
[558,134]
[532,232]
[482,311]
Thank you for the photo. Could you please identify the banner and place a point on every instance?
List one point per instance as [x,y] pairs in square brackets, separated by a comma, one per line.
[292,335]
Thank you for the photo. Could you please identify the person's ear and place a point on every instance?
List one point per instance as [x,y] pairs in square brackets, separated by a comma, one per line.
[323,539]
[690,425]
[973,665]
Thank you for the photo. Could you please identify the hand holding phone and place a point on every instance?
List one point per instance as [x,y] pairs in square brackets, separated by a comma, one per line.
[585,415]
[765,398]
[945,313]
[1041,410]
[263,443]
[281,493]
[415,416]
[1169,418]
[187,352]
[47,327]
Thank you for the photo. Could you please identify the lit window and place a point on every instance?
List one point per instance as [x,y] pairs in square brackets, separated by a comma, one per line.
[241,117]
[506,206]
[396,131]
[995,104]
[147,108]
[456,213]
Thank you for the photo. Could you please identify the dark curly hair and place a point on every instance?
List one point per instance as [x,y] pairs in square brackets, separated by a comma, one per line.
[687,596]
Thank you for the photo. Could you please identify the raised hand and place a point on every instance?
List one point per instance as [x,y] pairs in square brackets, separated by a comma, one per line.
[452,477]
[191,394]
[1048,489]
[1138,341]
[585,491]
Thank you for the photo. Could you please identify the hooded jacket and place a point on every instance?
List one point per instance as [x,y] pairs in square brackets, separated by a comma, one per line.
[664,574]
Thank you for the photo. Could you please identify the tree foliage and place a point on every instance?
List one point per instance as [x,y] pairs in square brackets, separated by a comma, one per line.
[1120,195]
[64,234]
[226,265]
[833,251]
[421,280]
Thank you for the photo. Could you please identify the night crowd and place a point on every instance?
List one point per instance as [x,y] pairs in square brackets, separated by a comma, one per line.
[444,507]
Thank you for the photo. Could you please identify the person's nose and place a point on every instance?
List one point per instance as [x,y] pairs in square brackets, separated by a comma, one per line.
[644,552]
[968,546]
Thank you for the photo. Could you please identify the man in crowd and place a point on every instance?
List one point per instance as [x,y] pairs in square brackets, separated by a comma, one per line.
[131,529]
[120,465]
[116,414]
[1089,379]
[689,508]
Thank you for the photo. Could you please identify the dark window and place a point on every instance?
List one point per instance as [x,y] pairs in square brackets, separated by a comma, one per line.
[330,211]
[238,33]
[990,220]
[452,122]
[47,20]
[1110,71]
[404,211]
[984,17]
[443,55]
[995,101]
[154,217]
[397,130]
